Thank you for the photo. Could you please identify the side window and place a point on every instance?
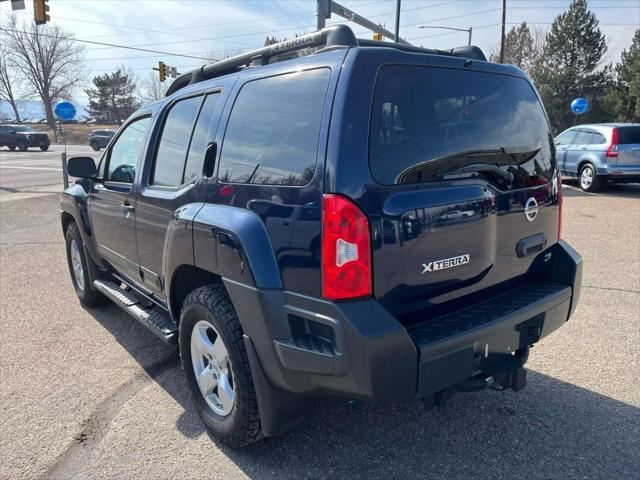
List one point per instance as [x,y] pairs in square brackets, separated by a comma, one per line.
[199,141]
[174,141]
[566,138]
[273,130]
[583,138]
[598,139]
[126,151]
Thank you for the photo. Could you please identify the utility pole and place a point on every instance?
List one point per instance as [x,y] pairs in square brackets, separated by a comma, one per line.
[504,19]
[397,39]
[323,11]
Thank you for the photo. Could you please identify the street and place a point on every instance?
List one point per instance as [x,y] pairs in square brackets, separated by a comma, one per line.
[36,172]
[89,393]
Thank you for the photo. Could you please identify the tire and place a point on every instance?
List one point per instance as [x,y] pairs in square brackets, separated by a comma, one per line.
[84,290]
[44,148]
[587,178]
[22,146]
[95,146]
[206,307]
[12,147]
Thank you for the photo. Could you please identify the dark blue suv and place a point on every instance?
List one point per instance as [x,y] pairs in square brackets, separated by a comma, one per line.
[372,220]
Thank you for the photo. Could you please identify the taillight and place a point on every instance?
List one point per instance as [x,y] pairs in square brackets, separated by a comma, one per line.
[346,249]
[560,199]
[612,151]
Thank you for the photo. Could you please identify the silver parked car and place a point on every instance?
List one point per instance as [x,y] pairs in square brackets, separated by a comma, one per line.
[600,152]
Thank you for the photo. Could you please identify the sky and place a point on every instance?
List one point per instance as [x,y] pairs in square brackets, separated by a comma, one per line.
[200,28]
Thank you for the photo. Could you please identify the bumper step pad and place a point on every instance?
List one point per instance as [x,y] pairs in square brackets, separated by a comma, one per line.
[156,320]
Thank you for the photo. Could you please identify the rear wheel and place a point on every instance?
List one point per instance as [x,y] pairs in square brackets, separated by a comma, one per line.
[12,147]
[22,146]
[44,147]
[216,367]
[78,269]
[588,179]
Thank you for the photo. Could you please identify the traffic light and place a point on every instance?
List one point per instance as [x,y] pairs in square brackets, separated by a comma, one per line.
[377,37]
[162,71]
[41,11]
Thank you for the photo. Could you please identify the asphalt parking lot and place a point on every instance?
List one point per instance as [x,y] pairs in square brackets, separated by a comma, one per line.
[92,394]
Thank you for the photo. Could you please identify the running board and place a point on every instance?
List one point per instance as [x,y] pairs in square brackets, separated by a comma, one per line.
[157,321]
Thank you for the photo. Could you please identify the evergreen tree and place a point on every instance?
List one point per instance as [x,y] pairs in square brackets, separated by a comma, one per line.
[114,97]
[623,99]
[570,66]
[521,48]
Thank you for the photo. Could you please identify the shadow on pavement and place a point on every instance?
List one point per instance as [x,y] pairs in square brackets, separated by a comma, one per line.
[552,429]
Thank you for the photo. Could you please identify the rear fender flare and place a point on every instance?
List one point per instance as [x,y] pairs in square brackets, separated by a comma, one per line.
[234,243]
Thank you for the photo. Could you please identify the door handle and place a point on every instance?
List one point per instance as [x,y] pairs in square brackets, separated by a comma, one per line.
[127,209]
[210,159]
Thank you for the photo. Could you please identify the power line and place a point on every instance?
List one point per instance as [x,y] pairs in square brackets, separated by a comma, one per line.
[110,45]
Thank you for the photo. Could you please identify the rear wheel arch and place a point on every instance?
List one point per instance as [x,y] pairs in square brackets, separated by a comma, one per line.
[184,280]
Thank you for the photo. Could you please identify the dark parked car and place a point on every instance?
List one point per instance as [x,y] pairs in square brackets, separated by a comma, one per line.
[22,137]
[375,220]
[601,152]
[100,138]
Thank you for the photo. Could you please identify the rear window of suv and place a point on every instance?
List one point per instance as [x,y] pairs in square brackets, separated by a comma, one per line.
[628,135]
[430,124]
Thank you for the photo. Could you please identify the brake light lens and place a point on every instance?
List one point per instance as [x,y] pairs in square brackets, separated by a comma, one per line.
[612,151]
[346,249]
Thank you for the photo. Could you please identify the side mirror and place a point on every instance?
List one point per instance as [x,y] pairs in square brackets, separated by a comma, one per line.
[82,167]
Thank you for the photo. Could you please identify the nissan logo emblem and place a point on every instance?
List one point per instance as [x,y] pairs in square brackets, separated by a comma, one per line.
[531,209]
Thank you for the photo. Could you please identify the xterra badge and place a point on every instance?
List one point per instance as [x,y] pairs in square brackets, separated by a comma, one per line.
[446,263]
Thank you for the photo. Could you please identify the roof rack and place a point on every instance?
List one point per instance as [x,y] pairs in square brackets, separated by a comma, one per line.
[336,35]
[333,36]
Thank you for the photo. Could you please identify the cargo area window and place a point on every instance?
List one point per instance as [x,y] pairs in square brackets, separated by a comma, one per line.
[430,124]
[273,130]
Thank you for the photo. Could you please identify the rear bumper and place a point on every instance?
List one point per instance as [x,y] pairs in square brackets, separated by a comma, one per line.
[629,172]
[357,349]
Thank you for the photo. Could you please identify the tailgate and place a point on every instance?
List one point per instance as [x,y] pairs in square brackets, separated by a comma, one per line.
[469,184]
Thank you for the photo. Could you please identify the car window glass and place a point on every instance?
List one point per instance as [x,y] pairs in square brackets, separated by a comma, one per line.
[273,130]
[199,141]
[566,138]
[430,124]
[598,139]
[174,142]
[583,138]
[126,151]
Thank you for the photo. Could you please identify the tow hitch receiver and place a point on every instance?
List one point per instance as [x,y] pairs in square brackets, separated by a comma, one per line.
[509,373]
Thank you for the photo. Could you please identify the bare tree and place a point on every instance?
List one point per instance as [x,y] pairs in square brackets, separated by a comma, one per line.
[153,89]
[7,81]
[48,58]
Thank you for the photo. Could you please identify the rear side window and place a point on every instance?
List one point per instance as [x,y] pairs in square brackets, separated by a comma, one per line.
[628,135]
[584,138]
[598,139]
[273,130]
[430,124]
[199,142]
[176,135]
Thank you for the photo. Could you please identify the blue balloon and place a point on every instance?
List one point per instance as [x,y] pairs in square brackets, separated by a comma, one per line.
[65,110]
[580,106]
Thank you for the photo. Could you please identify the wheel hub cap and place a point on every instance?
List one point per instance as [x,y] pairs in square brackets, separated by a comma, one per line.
[76,263]
[586,179]
[212,368]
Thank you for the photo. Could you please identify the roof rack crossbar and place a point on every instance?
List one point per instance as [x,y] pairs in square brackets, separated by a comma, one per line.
[335,35]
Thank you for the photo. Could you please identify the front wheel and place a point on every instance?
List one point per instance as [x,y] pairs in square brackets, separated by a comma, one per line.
[78,269]
[216,367]
[95,146]
[12,147]
[22,146]
[588,179]
[44,147]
